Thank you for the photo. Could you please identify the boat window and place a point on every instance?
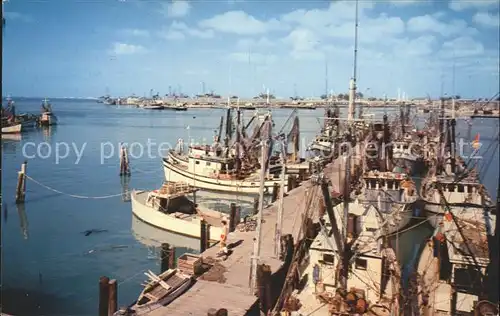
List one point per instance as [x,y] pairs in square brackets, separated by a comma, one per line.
[405,147]
[451,187]
[328,258]
[373,183]
[208,163]
[197,162]
[361,264]
[390,184]
[469,189]
[461,188]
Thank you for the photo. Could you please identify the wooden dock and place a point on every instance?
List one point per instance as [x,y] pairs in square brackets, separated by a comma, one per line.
[234,294]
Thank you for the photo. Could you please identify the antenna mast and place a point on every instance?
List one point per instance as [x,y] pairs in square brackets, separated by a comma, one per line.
[352,84]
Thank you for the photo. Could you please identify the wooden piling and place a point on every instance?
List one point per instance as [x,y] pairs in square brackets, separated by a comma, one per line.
[124,162]
[21,184]
[212,312]
[302,174]
[232,218]
[204,236]
[264,287]
[103,296]
[167,257]
[276,189]
[113,297]
[255,206]
[222,312]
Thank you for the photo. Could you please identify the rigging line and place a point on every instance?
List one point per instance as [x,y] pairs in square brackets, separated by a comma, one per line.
[75,195]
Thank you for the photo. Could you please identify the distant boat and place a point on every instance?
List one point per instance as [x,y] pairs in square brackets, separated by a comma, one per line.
[11,128]
[153,107]
[47,118]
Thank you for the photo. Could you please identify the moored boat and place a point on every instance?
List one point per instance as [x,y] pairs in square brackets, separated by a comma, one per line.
[159,291]
[47,118]
[169,209]
[11,128]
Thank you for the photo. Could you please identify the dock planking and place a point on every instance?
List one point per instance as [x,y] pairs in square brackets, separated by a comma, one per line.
[234,294]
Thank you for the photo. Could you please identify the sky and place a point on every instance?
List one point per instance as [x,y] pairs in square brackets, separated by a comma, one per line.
[89,48]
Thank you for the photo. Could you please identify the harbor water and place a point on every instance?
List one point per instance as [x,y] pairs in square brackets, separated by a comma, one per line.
[76,226]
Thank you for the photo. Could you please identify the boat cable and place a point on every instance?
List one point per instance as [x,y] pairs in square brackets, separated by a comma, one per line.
[75,195]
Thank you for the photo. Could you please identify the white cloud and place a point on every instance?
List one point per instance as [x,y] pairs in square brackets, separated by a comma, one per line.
[460,47]
[239,22]
[182,27]
[176,8]
[406,2]
[173,35]
[431,24]
[136,32]
[255,58]
[487,20]
[461,5]
[254,44]
[126,49]
[18,16]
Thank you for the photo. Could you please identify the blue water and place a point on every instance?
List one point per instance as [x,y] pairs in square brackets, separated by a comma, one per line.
[49,266]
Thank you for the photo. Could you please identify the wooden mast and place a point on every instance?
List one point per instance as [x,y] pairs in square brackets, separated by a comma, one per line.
[257,241]
[279,219]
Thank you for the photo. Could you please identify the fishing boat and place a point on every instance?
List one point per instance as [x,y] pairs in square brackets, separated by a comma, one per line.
[159,291]
[47,118]
[225,166]
[370,285]
[153,107]
[452,270]
[449,179]
[153,237]
[11,128]
[169,209]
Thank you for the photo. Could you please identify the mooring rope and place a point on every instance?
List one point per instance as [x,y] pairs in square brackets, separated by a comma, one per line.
[75,195]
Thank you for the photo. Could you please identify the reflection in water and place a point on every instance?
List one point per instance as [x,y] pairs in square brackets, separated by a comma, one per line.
[124,181]
[5,213]
[48,132]
[12,137]
[153,237]
[23,219]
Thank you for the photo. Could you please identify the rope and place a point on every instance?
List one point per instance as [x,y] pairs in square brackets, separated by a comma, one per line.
[75,195]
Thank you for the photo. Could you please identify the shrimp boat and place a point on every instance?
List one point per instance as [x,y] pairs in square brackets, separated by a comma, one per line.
[228,168]
[169,209]
[11,128]
[159,291]
[449,179]
[452,269]
[47,118]
[407,154]
[371,283]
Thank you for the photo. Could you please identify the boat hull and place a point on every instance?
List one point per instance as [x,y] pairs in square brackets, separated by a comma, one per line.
[176,174]
[14,129]
[169,222]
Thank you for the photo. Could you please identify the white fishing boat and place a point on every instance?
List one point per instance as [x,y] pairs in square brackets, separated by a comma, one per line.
[47,118]
[11,128]
[452,270]
[407,154]
[153,237]
[392,193]
[159,291]
[169,209]
[207,171]
[372,286]
[153,107]
[467,198]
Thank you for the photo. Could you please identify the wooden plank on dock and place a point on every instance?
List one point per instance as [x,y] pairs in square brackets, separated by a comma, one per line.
[234,294]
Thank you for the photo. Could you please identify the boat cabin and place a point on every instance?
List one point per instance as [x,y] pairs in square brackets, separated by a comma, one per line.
[458,278]
[461,192]
[367,264]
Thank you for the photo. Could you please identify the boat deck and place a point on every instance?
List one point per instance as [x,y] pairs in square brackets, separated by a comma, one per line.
[234,294]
